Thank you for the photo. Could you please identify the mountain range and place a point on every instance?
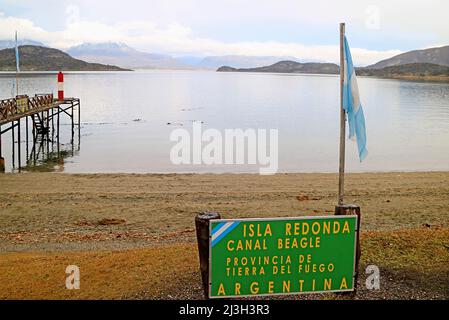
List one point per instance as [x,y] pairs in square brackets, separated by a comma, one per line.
[124,56]
[38,58]
[438,56]
[106,56]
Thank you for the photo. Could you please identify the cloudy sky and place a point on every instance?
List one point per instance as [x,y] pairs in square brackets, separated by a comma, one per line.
[304,29]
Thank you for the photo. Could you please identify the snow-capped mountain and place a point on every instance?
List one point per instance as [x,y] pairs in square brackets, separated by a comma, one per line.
[122,55]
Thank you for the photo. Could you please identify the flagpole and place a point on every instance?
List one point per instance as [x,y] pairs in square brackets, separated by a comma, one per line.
[17,67]
[341,176]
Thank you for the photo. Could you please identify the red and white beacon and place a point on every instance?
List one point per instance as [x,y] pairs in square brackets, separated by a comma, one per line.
[60,86]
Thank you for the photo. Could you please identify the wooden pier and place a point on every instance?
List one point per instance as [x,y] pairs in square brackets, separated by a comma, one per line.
[43,111]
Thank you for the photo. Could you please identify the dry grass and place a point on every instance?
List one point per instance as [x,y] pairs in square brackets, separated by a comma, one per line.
[50,221]
[104,275]
[413,263]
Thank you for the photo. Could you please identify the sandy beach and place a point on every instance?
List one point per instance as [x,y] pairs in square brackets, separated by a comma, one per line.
[145,224]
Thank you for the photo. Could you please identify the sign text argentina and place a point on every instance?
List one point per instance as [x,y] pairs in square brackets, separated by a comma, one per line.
[282,256]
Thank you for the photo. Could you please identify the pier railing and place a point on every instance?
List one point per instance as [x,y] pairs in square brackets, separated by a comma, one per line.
[10,108]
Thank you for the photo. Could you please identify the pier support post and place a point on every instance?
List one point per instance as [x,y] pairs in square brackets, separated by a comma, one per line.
[79,125]
[57,128]
[47,135]
[26,138]
[33,130]
[19,149]
[33,150]
[13,144]
[2,160]
[52,120]
[73,121]
[202,223]
[349,210]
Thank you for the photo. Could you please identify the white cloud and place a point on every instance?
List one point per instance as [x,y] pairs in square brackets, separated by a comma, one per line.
[174,39]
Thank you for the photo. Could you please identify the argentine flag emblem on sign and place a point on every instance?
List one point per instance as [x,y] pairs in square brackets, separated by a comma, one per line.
[352,105]
[222,230]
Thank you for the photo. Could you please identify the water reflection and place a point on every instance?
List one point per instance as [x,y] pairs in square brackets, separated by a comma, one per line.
[36,152]
[128,118]
[49,155]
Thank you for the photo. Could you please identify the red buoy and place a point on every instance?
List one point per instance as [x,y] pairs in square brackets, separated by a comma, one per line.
[60,86]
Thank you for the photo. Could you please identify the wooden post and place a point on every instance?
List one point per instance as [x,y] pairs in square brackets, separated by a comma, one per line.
[13,145]
[202,223]
[341,209]
[52,121]
[48,134]
[73,122]
[26,137]
[52,129]
[341,177]
[350,210]
[2,160]
[19,152]
[57,125]
[34,131]
[79,125]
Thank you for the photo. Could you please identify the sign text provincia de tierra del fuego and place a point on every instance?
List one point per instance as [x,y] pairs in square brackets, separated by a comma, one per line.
[282,256]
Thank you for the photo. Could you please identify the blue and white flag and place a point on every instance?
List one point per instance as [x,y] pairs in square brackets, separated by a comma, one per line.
[352,105]
[222,230]
[17,56]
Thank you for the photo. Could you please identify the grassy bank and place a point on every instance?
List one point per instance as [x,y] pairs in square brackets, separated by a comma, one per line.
[413,265]
[133,236]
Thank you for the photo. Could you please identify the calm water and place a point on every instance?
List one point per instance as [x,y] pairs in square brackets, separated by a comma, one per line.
[407,122]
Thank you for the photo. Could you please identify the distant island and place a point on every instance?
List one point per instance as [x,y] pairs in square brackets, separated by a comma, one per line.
[39,58]
[410,71]
[427,65]
[289,67]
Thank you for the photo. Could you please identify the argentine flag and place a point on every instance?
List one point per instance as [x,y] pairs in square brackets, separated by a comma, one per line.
[17,55]
[352,105]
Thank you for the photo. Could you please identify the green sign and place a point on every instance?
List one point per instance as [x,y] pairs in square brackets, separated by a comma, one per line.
[254,257]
